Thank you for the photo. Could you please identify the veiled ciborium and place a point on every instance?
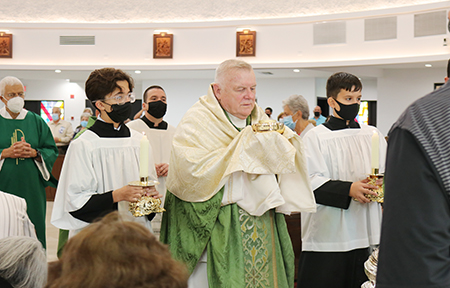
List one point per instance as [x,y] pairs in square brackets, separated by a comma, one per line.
[146,204]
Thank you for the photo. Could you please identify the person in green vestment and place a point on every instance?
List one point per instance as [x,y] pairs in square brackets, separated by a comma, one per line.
[228,188]
[27,153]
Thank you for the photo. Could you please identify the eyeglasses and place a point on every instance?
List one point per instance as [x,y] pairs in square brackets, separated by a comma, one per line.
[122,98]
[12,95]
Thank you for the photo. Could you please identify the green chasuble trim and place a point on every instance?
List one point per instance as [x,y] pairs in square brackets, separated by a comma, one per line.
[243,250]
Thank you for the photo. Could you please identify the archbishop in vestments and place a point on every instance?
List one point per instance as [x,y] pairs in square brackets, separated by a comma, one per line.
[228,188]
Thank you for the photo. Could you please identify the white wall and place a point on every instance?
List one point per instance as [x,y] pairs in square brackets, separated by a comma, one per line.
[400,87]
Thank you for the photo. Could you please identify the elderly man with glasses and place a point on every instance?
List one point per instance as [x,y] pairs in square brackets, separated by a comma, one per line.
[27,152]
[103,160]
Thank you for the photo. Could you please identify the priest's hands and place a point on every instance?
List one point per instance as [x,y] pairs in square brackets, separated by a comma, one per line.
[20,149]
[162,169]
[133,193]
[359,189]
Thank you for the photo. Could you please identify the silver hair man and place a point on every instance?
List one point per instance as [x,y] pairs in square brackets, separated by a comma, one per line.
[227,66]
[297,103]
[9,81]
[23,262]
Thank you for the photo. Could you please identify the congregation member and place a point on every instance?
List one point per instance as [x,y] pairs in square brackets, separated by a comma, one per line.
[336,239]
[224,204]
[268,112]
[14,220]
[415,234]
[23,263]
[84,119]
[103,160]
[297,110]
[318,117]
[116,252]
[62,130]
[27,153]
[159,134]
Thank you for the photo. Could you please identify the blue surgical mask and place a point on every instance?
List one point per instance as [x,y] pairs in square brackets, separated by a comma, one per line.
[287,120]
[55,116]
[83,123]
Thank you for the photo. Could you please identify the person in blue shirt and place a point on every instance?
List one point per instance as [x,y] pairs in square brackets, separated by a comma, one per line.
[318,117]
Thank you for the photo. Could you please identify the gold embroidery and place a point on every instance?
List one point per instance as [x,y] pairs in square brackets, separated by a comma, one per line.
[15,138]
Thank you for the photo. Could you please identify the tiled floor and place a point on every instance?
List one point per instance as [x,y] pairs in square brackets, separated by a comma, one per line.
[52,235]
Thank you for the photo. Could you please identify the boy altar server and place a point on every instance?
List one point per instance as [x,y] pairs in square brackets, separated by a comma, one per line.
[103,160]
[336,239]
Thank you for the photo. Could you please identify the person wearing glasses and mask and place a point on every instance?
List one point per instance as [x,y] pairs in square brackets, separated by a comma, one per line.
[159,134]
[103,160]
[27,153]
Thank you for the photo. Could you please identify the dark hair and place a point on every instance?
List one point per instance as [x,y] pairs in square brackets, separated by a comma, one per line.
[116,253]
[103,81]
[149,88]
[448,68]
[269,109]
[342,80]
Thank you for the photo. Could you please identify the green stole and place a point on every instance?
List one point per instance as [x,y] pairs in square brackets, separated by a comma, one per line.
[242,250]
[21,177]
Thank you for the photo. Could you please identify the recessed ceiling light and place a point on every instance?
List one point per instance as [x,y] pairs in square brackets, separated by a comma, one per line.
[428,65]
[57,71]
[137,71]
[296,70]
[68,80]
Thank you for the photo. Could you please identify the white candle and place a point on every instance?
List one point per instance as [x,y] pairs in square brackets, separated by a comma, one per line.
[143,157]
[375,150]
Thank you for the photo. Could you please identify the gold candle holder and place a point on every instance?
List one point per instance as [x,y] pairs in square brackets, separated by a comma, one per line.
[380,191]
[146,204]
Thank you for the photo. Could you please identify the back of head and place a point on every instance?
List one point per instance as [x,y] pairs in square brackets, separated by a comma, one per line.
[342,80]
[23,262]
[297,103]
[103,81]
[8,81]
[228,66]
[116,253]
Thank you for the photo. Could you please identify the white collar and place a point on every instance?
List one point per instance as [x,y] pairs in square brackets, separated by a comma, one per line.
[5,114]
[239,123]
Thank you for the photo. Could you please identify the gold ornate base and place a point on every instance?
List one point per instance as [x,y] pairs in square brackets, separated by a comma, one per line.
[380,191]
[146,204]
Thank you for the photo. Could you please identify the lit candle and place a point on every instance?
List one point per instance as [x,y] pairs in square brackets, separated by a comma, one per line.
[375,150]
[143,157]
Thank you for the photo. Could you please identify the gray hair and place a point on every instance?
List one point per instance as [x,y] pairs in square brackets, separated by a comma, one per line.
[57,108]
[85,115]
[90,111]
[23,262]
[297,103]
[8,81]
[226,66]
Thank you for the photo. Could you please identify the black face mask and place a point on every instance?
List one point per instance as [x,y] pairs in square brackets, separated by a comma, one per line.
[157,109]
[317,114]
[347,112]
[120,113]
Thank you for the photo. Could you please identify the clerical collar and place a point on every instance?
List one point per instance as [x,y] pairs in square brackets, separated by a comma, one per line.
[107,130]
[338,124]
[237,123]
[163,125]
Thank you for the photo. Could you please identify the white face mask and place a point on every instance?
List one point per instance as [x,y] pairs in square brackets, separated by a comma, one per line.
[15,104]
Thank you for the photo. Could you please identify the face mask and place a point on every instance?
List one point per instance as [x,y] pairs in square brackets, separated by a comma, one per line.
[317,114]
[287,120]
[120,113]
[15,104]
[83,123]
[55,116]
[347,112]
[157,109]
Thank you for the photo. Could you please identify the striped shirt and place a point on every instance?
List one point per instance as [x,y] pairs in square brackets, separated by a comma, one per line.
[14,220]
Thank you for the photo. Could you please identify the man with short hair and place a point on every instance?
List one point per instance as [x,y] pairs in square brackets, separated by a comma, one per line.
[318,117]
[228,188]
[102,162]
[62,130]
[269,112]
[27,153]
[159,134]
